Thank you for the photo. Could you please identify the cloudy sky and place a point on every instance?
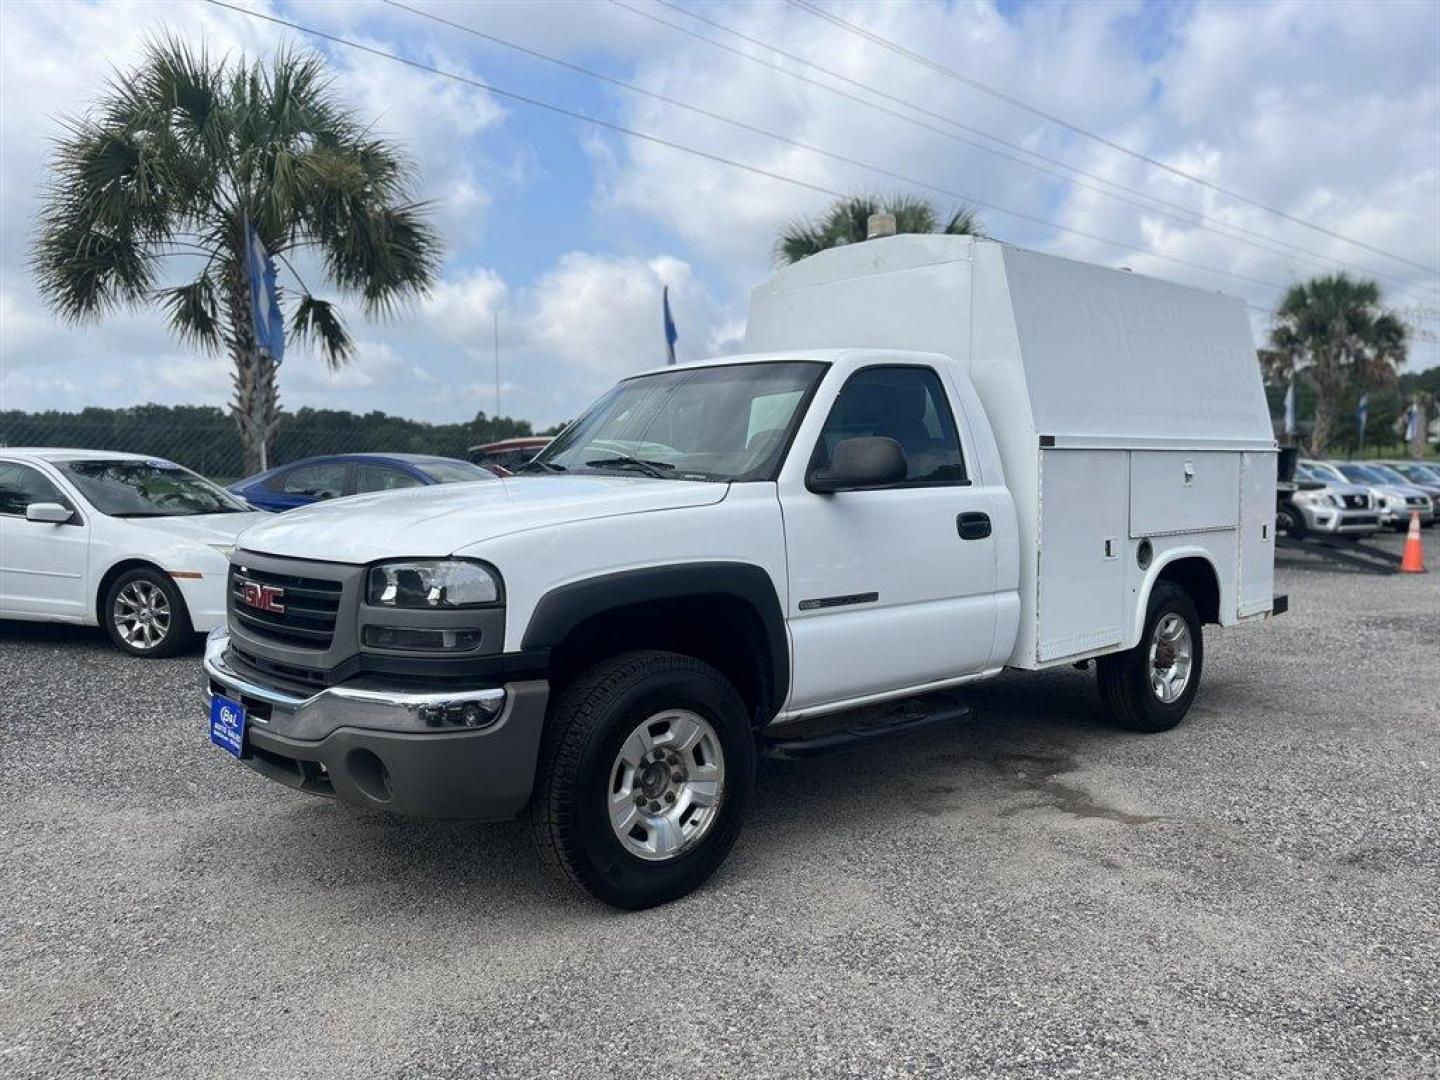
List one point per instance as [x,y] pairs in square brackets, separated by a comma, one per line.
[1328,112]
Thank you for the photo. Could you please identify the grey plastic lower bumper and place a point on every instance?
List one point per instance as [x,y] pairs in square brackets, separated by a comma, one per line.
[368,746]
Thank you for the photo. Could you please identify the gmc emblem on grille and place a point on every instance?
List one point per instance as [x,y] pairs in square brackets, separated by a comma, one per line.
[262,597]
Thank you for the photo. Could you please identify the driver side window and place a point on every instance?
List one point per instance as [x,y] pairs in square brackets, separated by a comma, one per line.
[907,404]
[20,485]
[322,480]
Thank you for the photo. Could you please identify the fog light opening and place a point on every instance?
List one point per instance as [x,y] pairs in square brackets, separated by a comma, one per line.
[369,774]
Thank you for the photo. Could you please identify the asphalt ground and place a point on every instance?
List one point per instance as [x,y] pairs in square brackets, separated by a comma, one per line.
[1032,895]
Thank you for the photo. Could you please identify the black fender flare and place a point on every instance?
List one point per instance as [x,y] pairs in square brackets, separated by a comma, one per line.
[564,608]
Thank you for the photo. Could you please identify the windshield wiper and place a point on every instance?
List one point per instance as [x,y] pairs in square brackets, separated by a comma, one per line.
[540,466]
[625,461]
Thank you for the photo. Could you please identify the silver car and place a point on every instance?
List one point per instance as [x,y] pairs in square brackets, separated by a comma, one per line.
[1415,473]
[1324,505]
[1396,501]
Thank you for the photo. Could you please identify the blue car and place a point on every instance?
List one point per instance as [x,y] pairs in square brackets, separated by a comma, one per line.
[312,479]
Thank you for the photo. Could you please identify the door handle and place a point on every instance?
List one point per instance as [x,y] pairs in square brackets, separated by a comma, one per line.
[973,526]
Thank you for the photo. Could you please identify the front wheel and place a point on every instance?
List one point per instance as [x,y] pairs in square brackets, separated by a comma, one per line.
[145,614]
[645,777]
[1289,521]
[1150,688]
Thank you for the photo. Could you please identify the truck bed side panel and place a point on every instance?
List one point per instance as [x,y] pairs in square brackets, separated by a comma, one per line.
[1083,509]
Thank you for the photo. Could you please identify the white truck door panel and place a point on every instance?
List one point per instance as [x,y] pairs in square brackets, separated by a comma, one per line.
[1257,533]
[1083,548]
[1178,491]
[884,593]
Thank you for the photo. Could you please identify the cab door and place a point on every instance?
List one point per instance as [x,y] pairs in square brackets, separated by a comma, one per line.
[889,588]
[42,565]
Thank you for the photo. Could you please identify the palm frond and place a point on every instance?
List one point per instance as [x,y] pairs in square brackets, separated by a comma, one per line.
[316,321]
[964,221]
[193,311]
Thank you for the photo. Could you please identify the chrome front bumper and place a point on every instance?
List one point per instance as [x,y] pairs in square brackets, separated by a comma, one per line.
[358,704]
[375,746]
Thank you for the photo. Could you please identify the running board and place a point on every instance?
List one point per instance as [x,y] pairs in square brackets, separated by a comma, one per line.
[851,730]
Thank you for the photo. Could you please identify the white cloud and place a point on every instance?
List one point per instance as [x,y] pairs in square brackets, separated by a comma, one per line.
[1329,111]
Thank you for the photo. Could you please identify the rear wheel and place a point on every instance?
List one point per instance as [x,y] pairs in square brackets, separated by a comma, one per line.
[145,614]
[645,778]
[1150,688]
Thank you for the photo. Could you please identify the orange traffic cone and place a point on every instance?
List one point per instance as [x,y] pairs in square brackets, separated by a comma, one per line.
[1414,560]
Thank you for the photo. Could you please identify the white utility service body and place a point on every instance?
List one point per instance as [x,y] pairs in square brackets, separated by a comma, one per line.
[940,458]
[1124,409]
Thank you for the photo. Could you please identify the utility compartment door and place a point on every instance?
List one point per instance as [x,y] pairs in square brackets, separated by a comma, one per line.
[1084,501]
[1180,491]
[1257,533]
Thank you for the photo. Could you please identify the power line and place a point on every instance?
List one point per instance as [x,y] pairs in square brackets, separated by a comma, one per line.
[984,88]
[524,99]
[620,128]
[1153,203]
[811,147]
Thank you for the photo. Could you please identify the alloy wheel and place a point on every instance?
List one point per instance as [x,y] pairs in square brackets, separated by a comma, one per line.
[666,785]
[142,615]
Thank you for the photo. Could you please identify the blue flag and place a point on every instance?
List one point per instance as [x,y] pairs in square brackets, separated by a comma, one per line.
[1362,413]
[670,335]
[1412,416]
[265,314]
[1290,409]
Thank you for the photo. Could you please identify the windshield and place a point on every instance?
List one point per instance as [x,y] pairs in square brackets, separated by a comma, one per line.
[1426,474]
[148,489]
[1388,474]
[730,422]
[453,472]
[1362,474]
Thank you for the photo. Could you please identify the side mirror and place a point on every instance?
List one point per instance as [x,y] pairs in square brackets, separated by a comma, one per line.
[50,513]
[864,462]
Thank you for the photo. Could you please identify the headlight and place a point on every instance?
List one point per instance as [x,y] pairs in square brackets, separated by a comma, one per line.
[226,550]
[1337,501]
[438,585]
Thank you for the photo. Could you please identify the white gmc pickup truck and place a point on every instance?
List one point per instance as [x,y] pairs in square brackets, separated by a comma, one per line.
[943,458]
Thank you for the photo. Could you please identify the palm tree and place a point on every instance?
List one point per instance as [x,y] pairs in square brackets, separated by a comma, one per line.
[157,182]
[1332,331]
[847,222]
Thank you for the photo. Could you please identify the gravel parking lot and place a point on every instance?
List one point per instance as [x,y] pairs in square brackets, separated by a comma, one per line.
[1256,893]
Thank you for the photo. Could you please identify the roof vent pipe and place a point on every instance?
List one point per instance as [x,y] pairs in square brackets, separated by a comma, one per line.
[879,225]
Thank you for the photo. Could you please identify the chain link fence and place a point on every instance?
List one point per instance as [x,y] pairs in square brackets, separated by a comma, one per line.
[205,439]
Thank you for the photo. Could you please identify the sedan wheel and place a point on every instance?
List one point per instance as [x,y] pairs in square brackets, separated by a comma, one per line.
[145,613]
[142,615]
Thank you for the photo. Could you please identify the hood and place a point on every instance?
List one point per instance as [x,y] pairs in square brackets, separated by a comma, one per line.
[1345,489]
[1397,491]
[202,528]
[439,520]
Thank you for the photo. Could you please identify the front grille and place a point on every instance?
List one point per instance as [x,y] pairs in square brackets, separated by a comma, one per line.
[1356,502]
[310,608]
[1414,500]
[1362,519]
[288,676]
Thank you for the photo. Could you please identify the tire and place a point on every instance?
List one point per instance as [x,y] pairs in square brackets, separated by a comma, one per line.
[593,725]
[1289,520]
[1127,693]
[126,602]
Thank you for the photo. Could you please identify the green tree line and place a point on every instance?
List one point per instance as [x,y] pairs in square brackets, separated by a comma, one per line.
[204,437]
[1386,404]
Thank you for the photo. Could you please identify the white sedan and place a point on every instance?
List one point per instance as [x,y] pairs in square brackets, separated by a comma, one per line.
[137,545]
